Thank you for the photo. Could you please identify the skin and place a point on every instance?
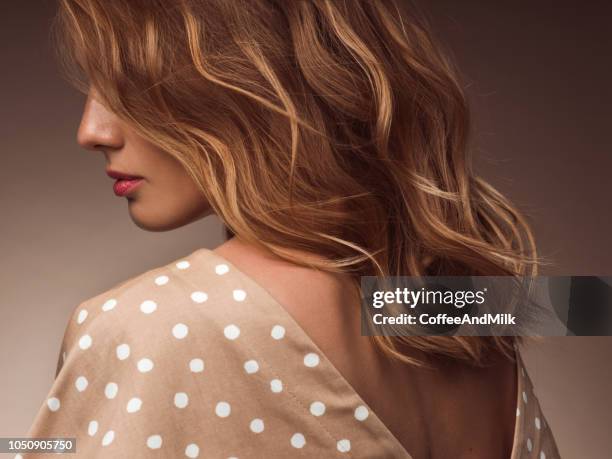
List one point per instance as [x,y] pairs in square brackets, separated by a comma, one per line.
[448,410]
[167,198]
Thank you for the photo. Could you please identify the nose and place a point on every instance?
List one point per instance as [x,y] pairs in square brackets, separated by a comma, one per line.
[99,129]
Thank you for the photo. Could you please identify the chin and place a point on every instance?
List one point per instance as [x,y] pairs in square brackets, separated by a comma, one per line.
[154,224]
[155,219]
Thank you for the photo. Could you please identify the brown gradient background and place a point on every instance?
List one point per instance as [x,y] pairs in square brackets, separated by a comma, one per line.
[538,77]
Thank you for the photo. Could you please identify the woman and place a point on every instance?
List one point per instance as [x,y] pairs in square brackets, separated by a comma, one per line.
[330,137]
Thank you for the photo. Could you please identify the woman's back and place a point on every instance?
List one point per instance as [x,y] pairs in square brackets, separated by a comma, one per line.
[449,409]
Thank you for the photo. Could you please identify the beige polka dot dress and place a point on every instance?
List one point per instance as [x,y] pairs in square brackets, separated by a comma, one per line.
[194,359]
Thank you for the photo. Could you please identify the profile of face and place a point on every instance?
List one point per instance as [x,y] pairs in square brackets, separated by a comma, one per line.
[160,193]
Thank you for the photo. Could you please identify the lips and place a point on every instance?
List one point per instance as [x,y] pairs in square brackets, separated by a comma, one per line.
[125,187]
[124,183]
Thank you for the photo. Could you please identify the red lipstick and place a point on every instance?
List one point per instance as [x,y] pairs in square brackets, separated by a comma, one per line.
[124,183]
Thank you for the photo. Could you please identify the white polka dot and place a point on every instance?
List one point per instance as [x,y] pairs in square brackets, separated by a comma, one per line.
[123,351]
[199,297]
[542,455]
[518,412]
[344,445]
[81,383]
[148,306]
[257,426]
[111,389]
[361,413]
[298,440]
[18,456]
[145,365]
[529,445]
[276,386]
[133,405]
[222,269]
[525,396]
[161,280]
[251,366]
[108,438]
[82,316]
[239,294]
[53,403]
[154,441]
[85,342]
[311,360]
[231,331]
[183,264]
[537,423]
[278,332]
[109,304]
[179,331]
[92,428]
[192,450]
[317,408]
[181,400]
[223,409]
[196,365]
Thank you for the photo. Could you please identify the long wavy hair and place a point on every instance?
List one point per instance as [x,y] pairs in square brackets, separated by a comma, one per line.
[336,127]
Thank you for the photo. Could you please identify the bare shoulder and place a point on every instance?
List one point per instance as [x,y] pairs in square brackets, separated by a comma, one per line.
[324,304]
[294,286]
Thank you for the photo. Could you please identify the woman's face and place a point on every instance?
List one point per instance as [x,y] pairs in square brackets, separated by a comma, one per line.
[159,192]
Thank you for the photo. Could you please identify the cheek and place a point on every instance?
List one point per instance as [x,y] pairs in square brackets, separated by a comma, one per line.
[168,199]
